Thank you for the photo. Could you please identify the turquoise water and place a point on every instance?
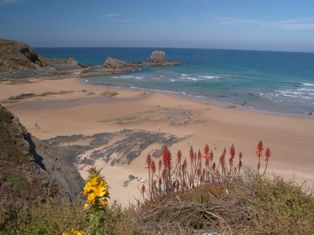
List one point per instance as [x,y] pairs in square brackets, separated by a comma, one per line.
[271,81]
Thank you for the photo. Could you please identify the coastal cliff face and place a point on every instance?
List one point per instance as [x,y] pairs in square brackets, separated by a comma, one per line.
[29,173]
[18,58]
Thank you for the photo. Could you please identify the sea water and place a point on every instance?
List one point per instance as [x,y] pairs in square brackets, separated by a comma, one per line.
[270,81]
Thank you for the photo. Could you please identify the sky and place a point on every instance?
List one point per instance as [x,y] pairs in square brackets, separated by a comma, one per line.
[285,25]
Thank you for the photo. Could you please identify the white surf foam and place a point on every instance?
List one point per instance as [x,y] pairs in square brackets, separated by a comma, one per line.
[308,84]
[209,77]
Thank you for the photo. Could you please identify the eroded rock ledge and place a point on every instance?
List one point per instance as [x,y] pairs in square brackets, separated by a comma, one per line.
[115,148]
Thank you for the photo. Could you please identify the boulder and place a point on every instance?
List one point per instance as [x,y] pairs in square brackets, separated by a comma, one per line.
[157,57]
[115,63]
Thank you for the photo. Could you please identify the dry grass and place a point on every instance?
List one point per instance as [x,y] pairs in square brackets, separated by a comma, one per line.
[204,195]
[109,93]
[253,205]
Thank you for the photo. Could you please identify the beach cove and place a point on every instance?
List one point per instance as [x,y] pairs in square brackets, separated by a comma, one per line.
[69,106]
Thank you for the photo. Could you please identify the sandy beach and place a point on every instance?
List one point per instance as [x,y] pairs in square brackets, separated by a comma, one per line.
[63,107]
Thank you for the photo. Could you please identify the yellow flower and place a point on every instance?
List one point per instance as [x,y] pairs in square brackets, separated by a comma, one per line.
[91,197]
[100,191]
[87,188]
[93,181]
[74,232]
[96,189]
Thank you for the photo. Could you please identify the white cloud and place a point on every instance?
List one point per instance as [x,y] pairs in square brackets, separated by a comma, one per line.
[290,24]
[295,24]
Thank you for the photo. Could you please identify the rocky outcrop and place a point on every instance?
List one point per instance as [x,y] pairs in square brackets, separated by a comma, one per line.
[116,148]
[19,56]
[18,59]
[115,63]
[29,173]
[157,57]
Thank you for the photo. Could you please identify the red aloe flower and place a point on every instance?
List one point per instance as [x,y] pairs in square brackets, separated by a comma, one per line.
[179,156]
[206,156]
[148,162]
[206,149]
[232,152]
[166,157]
[259,149]
[267,154]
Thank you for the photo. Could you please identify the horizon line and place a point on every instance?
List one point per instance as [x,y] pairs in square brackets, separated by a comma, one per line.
[194,48]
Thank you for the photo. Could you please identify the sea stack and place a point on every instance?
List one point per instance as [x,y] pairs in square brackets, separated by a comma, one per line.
[157,57]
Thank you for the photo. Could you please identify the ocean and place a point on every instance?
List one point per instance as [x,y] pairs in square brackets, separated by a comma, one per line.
[281,82]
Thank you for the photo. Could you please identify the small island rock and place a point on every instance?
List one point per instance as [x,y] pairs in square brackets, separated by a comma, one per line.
[157,57]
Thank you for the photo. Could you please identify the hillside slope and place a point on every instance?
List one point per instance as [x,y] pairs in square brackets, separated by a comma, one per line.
[28,172]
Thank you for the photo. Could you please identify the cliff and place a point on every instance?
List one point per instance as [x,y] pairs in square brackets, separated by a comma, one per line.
[29,173]
[19,58]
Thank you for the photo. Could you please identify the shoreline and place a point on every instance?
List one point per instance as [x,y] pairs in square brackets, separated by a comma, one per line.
[205,100]
[192,121]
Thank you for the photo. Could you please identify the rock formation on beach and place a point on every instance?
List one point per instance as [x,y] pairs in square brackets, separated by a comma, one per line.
[115,63]
[29,173]
[116,148]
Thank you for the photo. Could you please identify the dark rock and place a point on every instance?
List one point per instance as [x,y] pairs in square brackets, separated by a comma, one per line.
[29,173]
[129,146]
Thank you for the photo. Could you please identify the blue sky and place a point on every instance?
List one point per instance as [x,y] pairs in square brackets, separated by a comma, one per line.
[231,24]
